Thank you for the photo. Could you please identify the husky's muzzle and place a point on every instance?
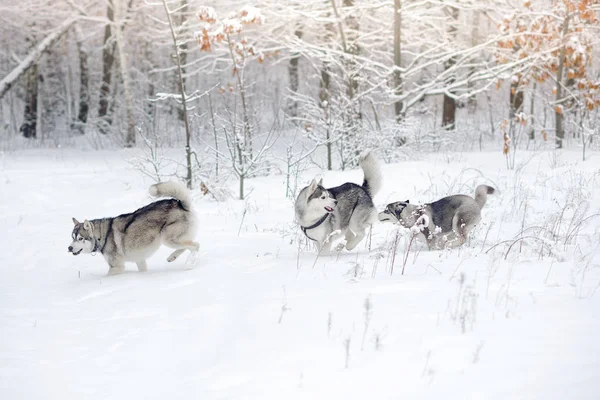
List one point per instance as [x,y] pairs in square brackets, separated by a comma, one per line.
[385,215]
[330,209]
[74,252]
[392,211]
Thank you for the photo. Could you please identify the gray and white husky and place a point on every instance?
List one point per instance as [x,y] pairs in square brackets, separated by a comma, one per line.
[445,223]
[327,214]
[136,236]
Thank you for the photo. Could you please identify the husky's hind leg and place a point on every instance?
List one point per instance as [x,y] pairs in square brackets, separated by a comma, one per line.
[359,224]
[181,246]
[463,222]
[142,266]
[175,254]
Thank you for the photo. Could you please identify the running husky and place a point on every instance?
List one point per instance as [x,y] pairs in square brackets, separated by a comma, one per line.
[451,218]
[134,237]
[327,214]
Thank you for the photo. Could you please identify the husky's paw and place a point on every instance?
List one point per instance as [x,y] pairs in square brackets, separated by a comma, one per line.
[115,271]
[192,260]
[332,236]
[340,246]
[174,255]
[142,266]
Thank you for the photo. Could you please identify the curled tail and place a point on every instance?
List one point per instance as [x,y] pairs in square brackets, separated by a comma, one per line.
[481,193]
[172,189]
[370,166]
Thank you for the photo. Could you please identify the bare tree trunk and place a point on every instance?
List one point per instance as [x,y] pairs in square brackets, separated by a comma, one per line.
[183,47]
[352,48]
[352,118]
[449,108]
[325,93]
[84,95]
[150,106]
[474,41]
[241,84]
[29,126]
[108,58]
[188,134]
[324,102]
[294,79]
[532,111]
[397,59]
[124,65]
[516,98]
[558,111]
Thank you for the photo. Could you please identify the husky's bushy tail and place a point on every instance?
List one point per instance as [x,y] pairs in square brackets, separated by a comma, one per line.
[172,189]
[481,193]
[370,166]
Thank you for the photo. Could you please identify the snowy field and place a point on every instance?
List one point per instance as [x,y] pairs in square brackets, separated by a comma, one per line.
[259,317]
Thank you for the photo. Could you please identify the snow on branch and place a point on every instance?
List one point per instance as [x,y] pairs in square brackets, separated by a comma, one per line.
[9,80]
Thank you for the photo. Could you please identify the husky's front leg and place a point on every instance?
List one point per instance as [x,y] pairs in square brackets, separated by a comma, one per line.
[142,266]
[354,241]
[325,247]
[325,244]
[116,267]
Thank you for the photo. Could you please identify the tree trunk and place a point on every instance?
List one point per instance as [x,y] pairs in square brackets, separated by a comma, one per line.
[150,106]
[532,111]
[558,110]
[84,95]
[352,48]
[472,102]
[449,112]
[324,103]
[124,65]
[352,117]
[29,126]
[325,92]
[449,108]
[294,79]
[188,134]
[108,58]
[183,47]
[516,98]
[397,59]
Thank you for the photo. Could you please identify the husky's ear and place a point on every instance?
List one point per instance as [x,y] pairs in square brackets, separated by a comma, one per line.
[321,182]
[87,226]
[312,187]
[75,221]
[407,201]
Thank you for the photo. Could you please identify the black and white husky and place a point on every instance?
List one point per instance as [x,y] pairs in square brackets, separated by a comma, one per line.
[445,223]
[136,236]
[327,214]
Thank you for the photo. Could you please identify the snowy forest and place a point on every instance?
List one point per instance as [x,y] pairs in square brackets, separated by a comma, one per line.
[464,135]
[231,82]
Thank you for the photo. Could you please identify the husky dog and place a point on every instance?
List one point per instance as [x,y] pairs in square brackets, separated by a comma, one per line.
[136,236]
[445,223]
[326,214]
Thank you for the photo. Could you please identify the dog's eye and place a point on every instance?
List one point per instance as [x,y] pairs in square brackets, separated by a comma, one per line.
[80,239]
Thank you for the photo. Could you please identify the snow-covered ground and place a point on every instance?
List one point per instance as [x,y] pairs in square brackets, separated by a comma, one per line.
[260,317]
